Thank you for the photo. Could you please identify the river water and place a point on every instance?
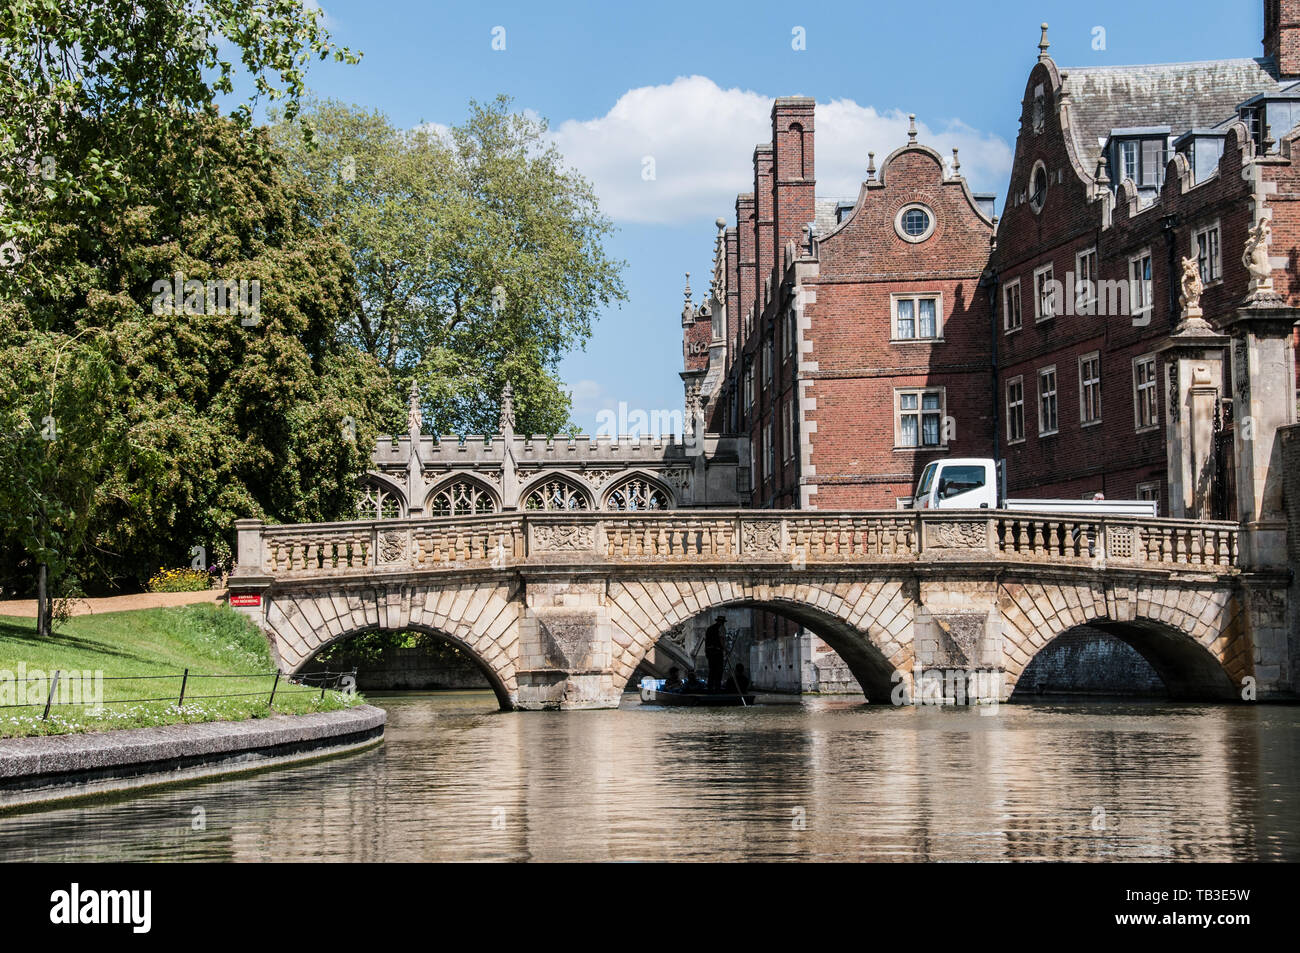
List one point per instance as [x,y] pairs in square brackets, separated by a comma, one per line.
[822,780]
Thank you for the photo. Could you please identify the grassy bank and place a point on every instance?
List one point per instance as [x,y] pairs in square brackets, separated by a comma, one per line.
[159,643]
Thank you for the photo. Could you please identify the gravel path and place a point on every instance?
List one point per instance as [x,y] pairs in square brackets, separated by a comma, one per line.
[26,608]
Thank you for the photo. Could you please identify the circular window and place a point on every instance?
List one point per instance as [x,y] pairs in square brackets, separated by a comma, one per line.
[1038,186]
[914,223]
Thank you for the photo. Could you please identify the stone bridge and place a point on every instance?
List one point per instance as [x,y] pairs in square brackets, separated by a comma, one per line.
[558,608]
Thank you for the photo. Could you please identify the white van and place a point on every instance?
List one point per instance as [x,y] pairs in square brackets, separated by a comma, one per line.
[978,483]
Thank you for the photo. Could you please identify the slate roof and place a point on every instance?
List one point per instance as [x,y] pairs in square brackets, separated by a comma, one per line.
[824,219]
[1181,96]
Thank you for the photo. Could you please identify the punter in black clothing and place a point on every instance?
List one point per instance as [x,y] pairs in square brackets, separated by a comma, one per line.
[741,679]
[714,651]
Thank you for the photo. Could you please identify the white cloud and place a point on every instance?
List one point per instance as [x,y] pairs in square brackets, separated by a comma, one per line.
[701,139]
[588,397]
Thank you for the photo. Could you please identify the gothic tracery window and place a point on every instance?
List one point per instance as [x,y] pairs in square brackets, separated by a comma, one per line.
[637,494]
[377,502]
[557,494]
[461,498]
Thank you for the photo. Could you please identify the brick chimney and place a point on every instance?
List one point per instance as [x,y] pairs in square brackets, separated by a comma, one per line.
[745,261]
[795,182]
[1282,35]
[733,291]
[763,221]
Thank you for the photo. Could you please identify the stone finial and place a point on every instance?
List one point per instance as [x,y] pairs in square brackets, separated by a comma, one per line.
[506,422]
[1043,44]
[1255,258]
[956,162]
[721,223]
[414,419]
[1102,177]
[871,167]
[911,127]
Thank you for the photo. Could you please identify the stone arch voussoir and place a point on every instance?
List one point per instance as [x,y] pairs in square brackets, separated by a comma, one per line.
[480,618]
[1191,636]
[867,623]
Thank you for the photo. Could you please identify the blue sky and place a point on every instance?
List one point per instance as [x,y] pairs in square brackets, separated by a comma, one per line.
[690,85]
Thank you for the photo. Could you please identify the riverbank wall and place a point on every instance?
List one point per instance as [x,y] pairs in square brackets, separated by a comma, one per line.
[53,768]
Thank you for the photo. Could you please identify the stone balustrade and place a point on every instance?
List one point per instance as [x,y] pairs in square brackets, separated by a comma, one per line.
[731,537]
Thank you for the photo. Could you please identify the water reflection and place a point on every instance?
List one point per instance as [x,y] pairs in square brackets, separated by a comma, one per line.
[826,780]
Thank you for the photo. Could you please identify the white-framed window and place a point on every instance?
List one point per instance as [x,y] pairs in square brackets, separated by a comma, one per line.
[914,222]
[749,389]
[767,362]
[1146,413]
[918,417]
[1128,160]
[1038,186]
[1011,318]
[769,451]
[1090,389]
[1044,294]
[1150,491]
[1139,282]
[917,317]
[1016,409]
[1205,246]
[788,428]
[792,333]
[1047,406]
[1085,281]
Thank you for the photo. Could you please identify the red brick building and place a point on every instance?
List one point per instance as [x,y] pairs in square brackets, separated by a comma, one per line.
[1125,328]
[853,342]
[849,340]
[1120,174]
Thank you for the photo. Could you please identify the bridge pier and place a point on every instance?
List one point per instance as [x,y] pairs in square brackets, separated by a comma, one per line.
[566,647]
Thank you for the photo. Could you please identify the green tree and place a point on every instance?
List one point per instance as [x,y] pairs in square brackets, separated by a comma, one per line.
[479,255]
[117,174]
[92,91]
[60,439]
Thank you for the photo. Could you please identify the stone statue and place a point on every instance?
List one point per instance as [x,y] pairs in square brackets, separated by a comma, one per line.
[414,420]
[1255,257]
[1192,288]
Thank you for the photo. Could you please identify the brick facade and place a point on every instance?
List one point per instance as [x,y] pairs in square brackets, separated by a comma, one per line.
[1119,174]
[812,364]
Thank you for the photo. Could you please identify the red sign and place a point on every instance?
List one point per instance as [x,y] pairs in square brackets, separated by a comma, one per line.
[253,599]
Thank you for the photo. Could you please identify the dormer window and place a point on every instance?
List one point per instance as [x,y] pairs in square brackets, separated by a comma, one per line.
[1270,118]
[1203,148]
[1139,155]
[1253,117]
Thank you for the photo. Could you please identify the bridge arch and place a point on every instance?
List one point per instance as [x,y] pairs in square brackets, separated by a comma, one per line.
[865,623]
[478,616]
[494,675]
[1186,636]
